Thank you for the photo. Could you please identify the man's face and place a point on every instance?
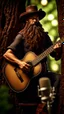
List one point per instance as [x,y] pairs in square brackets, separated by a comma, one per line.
[33,19]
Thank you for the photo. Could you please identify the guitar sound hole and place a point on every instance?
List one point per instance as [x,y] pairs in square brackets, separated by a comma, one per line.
[30,73]
[18,75]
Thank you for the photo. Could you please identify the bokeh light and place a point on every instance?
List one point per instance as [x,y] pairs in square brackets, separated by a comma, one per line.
[54,66]
[50,17]
[50,24]
[54,22]
[44,2]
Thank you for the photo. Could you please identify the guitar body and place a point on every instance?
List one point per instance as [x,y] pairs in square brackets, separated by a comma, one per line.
[18,79]
[20,83]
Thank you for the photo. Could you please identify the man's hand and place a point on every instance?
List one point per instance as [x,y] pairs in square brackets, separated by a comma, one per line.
[24,66]
[58,45]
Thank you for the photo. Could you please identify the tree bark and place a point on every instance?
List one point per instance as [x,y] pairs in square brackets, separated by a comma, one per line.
[60,9]
[10,11]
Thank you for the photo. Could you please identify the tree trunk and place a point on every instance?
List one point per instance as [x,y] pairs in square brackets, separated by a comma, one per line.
[60,9]
[9,27]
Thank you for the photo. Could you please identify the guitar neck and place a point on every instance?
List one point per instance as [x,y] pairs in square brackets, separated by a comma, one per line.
[40,57]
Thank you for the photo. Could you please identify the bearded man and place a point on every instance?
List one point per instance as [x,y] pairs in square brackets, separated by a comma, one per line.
[31,41]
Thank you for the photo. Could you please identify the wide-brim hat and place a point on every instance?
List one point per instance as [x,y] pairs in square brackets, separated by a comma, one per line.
[31,10]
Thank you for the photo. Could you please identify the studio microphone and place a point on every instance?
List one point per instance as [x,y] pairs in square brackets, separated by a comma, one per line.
[45,87]
[45,92]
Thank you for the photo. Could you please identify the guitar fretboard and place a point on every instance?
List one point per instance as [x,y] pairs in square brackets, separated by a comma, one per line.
[40,57]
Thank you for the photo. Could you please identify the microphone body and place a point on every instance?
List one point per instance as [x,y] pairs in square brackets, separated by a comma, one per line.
[46,92]
[45,87]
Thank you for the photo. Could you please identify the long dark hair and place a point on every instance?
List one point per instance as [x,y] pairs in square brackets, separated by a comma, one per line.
[34,35]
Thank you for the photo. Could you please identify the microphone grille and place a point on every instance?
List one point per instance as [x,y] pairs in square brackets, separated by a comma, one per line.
[44,82]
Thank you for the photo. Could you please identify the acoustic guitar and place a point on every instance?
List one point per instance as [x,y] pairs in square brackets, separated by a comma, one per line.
[18,79]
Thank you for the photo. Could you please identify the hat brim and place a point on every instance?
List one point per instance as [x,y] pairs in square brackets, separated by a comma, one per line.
[25,15]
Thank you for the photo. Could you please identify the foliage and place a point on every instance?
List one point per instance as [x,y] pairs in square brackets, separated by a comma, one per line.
[4,100]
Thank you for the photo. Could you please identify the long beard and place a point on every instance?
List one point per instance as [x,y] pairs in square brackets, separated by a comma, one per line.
[34,36]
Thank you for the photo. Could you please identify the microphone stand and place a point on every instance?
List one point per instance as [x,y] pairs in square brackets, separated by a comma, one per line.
[48,107]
